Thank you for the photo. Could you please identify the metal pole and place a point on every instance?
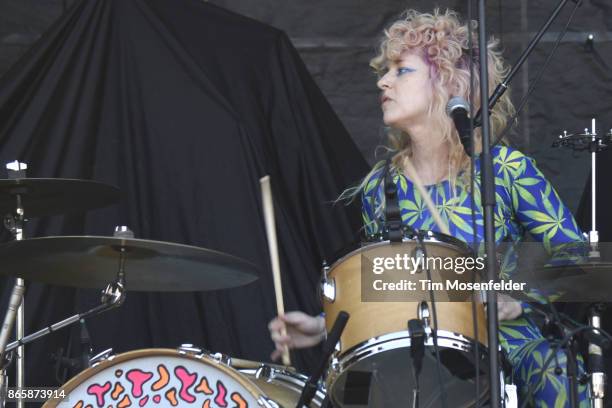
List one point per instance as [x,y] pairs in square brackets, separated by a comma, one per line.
[593,238]
[20,329]
[488,202]
[503,87]
[21,349]
[598,376]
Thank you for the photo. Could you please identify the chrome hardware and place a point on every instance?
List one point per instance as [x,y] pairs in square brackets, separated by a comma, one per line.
[16,169]
[222,358]
[98,358]
[419,255]
[188,348]
[267,403]
[396,340]
[424,315]
[328,287]
[599,385]
[266,372]
[335,364]
[338,346]
[121,231]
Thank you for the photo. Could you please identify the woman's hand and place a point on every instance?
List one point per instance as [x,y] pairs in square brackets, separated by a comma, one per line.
[302,331]
[507,307]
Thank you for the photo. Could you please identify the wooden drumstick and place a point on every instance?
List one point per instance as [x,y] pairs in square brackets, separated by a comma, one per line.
[268,209]
[443,226]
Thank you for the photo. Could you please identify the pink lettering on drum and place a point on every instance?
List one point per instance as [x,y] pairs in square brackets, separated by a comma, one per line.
[148,388]
[187,380]
[221,394]
[99,391]
[138,378]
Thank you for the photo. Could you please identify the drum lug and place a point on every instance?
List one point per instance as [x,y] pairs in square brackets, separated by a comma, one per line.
[424,315]
[266,372]
[192,350]
[188,348]
[419,255]
[328,286]
[222,358]
[98,358]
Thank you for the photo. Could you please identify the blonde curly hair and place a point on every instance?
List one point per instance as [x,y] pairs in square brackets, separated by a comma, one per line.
[443,42]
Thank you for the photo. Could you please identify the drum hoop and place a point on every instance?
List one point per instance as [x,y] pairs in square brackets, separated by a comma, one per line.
[400,339]
[242,364]
[83,376]
[393,341]
[438,238]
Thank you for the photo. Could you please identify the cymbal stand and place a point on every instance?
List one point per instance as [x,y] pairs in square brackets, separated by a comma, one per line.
[112,296]
[15,224]
[594,143]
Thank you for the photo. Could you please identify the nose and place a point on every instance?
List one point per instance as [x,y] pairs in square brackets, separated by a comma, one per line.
[383,83]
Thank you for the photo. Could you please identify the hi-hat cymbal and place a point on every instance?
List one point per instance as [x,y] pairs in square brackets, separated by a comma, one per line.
[49,196]
[93,262]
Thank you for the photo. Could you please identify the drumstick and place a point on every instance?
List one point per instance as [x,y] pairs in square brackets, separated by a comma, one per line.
[432,208]
[268,209]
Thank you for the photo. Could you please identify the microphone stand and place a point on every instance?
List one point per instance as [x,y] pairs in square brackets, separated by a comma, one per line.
[488,203]
[112,296]
[488,183]
[503,87]
[310,388]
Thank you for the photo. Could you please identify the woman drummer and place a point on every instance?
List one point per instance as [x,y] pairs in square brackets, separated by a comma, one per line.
[424,61]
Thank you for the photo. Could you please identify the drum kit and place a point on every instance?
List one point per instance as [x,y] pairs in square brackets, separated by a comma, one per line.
[376,360]
[374,349]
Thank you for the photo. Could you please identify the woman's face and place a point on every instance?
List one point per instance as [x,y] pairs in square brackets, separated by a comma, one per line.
[406,92]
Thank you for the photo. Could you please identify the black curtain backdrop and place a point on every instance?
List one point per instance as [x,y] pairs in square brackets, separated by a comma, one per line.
[184,106]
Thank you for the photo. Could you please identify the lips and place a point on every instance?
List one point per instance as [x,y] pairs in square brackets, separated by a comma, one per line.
[384,99]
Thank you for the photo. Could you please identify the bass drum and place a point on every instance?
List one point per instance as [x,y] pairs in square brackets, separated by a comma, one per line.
[174,378]
[373,363]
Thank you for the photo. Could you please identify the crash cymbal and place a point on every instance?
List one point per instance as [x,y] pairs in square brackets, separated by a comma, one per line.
[92,262]
[48,196]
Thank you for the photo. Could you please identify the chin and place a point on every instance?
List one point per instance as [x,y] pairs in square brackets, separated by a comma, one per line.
[389,120]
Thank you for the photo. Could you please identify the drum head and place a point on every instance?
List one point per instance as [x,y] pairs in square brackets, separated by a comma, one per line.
[387,380]
[159,377]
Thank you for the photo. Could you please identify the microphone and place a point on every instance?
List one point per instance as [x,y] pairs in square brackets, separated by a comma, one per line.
[310,388]
[459,110]
[85,345]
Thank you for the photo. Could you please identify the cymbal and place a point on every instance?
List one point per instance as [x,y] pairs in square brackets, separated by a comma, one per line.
[587,281]
[583,282]
[50,196]
[93,262]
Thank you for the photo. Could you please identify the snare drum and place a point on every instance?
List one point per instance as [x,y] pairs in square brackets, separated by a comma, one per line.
[372,365]
[282,384]
[181,378]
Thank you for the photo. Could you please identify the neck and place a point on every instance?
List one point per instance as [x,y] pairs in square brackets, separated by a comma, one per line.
[430,155]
